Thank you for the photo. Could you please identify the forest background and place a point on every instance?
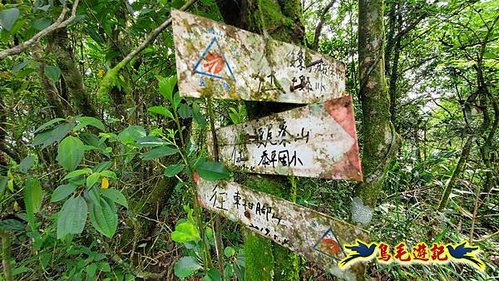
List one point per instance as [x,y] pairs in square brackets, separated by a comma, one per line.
[97,148]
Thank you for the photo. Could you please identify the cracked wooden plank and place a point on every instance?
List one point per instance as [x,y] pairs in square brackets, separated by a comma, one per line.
[317,140]
[221,61]
[316,236]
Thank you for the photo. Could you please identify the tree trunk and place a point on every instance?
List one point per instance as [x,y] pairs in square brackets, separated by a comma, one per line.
[59,42]
[264,259]
[380,139]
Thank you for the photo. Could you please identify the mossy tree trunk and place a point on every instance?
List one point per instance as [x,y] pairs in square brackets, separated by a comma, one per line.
[280,20]
[380,139]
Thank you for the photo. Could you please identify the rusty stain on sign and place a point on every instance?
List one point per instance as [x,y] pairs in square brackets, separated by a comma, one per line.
[317,140]
[314,235]
[221,61]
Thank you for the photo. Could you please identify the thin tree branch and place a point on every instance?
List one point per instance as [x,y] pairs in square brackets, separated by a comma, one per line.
[106,82]
[318,29]
[59,23]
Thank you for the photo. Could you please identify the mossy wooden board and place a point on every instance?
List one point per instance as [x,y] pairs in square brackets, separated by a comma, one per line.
[221,61]
[317,140]
[316,236]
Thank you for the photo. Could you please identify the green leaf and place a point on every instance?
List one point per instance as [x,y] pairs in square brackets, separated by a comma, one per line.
[11,225]
[109,174]
[197,115]
[185,232]
[116,196]
[76,173]
[70,153]
[85,121]
[3,183]
[166,86]
[20,66]
[41,23]
[48,124]
[72,217]
[8,17]
[211,171]
[173,170]
[55,135]
[62,191]
[103,216]
[185,111]
[150,141]
[212,275]
[131,134]
[26,163]
[159,152]
[186,267]
[53,72]
[33,196]
[92,179]
[161,110]
[229,251]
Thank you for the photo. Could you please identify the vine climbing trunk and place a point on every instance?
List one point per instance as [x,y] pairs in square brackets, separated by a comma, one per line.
[265,260]
[380,139]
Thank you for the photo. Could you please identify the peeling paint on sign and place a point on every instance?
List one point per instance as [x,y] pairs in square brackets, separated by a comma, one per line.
[221,61]
[314,235]
[317,140]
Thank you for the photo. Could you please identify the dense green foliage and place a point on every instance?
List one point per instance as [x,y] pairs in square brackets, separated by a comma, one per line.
[98,166]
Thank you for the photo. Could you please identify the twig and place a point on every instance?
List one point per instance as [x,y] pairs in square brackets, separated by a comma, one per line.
[106,82]
[59,23]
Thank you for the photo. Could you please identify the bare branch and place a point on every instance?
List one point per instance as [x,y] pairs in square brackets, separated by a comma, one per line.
[59,23]
[318,29]
[106,82]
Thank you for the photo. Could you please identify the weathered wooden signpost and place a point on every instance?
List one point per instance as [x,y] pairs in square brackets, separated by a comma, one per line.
[317,140]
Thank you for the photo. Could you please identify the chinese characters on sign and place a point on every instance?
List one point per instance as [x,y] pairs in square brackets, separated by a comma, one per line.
[221,61]
[307,232]
[317,140]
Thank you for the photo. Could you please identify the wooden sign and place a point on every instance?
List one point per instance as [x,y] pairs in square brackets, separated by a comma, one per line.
[317,140]
[316,236]
[221,61]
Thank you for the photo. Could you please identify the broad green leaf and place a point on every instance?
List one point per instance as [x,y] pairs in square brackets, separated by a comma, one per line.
[176,100]
[11,225]
[116,196]
[186,267]
[8,17]
[85,121]
[103,166]
[197,115]
[70,153]
[210,170]
[41,23]
[76,173]
[55,135]
[131,134]
[161,110]
[185,111]
[185,232]
[150,141]
[109,174]
[212,275]
[63,191]
[48,124]
[53,72]
[33,196]
[92,179]
[159,152]
[103,216]
[26,163]
[229,251]
[166,86]
[72,217]
[173,170]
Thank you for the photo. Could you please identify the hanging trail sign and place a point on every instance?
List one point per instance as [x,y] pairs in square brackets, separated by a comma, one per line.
[316,236]
[224,62]
[317,140]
